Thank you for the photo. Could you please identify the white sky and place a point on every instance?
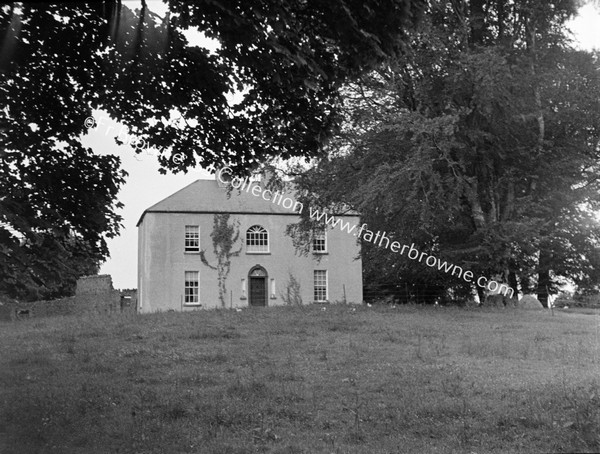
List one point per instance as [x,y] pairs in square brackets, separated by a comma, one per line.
[586,28]
[145,186]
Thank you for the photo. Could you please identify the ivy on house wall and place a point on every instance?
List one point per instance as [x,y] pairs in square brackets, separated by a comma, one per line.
[224,236]
[292,295]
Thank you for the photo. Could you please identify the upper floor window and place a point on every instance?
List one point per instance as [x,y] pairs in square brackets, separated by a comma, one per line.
[192,238]
[257,239]
[319,243]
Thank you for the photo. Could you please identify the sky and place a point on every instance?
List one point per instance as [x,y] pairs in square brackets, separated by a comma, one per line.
[145,186]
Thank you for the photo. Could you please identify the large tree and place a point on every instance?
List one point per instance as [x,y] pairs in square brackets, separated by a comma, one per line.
[479,144]
[58,63]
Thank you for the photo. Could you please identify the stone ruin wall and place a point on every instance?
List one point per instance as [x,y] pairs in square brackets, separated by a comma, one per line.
[93,295]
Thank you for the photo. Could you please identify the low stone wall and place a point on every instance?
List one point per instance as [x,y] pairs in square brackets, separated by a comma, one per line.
[94,284]
[85,303]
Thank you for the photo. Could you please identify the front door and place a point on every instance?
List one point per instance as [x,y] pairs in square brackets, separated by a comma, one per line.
[258,286]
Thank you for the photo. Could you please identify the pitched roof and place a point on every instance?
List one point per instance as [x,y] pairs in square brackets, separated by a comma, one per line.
[206,196]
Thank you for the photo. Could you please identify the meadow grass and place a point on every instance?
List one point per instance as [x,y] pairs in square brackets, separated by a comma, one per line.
[293,380]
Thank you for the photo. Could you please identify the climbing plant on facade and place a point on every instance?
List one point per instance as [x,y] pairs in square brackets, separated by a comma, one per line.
[292,296]
[224,236]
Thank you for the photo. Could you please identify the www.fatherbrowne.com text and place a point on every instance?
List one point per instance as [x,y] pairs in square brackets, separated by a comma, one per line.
[379,238]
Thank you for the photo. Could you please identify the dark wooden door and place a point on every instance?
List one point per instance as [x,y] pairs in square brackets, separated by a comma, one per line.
[258,291]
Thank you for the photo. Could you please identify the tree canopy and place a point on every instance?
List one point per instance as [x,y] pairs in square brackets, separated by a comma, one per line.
[481,145]
[60,62]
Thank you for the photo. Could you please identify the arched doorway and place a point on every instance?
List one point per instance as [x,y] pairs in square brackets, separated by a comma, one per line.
[257,278]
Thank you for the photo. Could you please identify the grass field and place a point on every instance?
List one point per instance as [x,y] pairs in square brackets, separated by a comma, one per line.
[302,380]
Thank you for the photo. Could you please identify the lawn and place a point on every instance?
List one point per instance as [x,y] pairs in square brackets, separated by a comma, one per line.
[302,380]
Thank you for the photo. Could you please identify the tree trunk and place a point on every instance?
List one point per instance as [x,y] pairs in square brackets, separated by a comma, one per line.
[512,281]
[544,276]
[477,16]
[476,209]
[530,38]
[481,294]
[510,201]
[501,19]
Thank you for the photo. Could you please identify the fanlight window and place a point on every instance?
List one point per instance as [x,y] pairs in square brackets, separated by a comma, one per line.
[258,272]
[257,239]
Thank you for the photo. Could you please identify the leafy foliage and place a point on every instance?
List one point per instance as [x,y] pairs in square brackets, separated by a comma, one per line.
[292,295]
[479,144]
[60,62]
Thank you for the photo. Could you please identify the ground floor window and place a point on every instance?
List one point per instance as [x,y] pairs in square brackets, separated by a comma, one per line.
[320,285]
[192,287]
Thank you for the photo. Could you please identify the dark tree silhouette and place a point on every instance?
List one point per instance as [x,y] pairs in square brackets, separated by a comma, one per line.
[59,62]
[479,144]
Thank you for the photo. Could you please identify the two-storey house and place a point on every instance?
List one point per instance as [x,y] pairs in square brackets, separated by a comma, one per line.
[223,243]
